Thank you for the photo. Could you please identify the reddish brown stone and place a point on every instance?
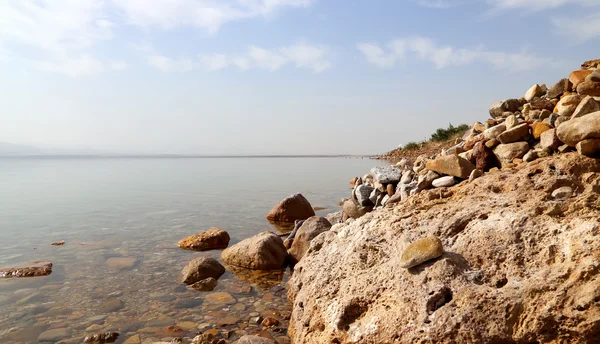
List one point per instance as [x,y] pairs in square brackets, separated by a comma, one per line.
[484,157]
[35,270]
[292,208]
[211,239]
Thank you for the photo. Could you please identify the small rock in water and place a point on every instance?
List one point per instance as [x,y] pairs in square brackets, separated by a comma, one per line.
[36,269]
[207,284]
[101,338]
[562,192]
[444,182]
[421,251]
[111,306]
[201,268]
[292,208]
[211,239]
[121,263]
[269,321]
[58,243]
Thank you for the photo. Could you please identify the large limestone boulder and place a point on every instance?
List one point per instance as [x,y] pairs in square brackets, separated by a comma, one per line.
[507,152]
[578,76]
[586,106]
[211,239]
[518,267]
[305,234]
[264,251]
[579,129]
[567,105]
[452,165]
[292,208]
[201,268]
[517,133]
[386,174]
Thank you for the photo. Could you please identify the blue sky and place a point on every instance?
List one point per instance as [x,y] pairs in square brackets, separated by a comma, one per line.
[273,76]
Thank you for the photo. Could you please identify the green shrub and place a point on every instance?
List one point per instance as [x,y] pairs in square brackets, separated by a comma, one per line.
[445,134]
[411,146]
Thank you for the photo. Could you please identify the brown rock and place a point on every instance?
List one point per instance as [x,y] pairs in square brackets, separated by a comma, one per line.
[492,143]
[591,64]
[353,210]
[494,131]
[579,129]
[549,140]
[421,251]
[121,263]
[292,208]
[101,338]
[270,321]
[248,339]
[211,239]
[541,104]
[589,88]
[452,165]
[567,105]
[517,133]
[559,88]
[390,190]
[507,152]
[535,91]
[590,147]
[578,76]
[201,268]
[586,106]
[264,251]
[539,128]
[207,284]
[312,227]
[484,157]
[34,270]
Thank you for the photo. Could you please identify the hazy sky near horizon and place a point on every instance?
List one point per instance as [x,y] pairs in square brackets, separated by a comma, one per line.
[273,76]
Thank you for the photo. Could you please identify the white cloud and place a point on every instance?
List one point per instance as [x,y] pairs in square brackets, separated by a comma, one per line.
[301,55]
[118,65]
[205,14]
[66,31]
[580,29]
[447,56]
[536,5]
[439,4]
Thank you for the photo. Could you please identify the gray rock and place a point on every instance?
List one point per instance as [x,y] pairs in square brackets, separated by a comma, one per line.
[586,106]
[363,192]
[493,132]
[509,105]
[384,200]
[201,268]
[312,227]
[562,192]
[387,174]
[549,140]
[54,335]
[517,133]
[530,156]
[444,182]
[374,196]
[426,181]
[475,174]
[559,88]
[407,177]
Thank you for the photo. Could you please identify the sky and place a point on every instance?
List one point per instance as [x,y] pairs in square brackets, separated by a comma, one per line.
[228,77]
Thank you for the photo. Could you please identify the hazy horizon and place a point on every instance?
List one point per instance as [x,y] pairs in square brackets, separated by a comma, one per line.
[273,77]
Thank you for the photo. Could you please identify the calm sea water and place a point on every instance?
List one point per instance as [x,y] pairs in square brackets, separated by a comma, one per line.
[138,208]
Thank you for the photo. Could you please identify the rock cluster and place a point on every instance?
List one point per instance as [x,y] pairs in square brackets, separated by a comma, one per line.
[545,121]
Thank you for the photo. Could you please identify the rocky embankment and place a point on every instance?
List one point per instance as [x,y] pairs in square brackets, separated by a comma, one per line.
[493,240]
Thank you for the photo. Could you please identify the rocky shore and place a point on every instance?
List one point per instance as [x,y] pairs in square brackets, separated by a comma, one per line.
[495,239]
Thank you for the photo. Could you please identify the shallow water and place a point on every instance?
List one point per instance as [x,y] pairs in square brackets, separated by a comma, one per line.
[138,209]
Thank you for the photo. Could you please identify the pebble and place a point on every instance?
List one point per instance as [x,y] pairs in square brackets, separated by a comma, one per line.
[562,192]
[421,251]
[444,182]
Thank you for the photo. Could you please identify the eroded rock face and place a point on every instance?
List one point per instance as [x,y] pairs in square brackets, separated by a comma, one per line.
[292,208]
[211,239]
[264,251]
[312,227]
[518,266]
